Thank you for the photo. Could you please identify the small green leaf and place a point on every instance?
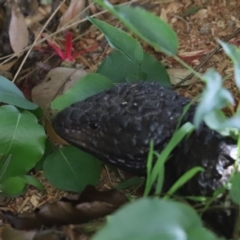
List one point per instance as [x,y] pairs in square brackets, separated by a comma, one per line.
[191,11]
[233,53]
[120,40]
[235,189]
[10,94]
[154,219]
[30,180]
[214,97]
[87,86]
[117,67]
[71,169]
[13,186]
[22,138]
[145,25]
[130,182]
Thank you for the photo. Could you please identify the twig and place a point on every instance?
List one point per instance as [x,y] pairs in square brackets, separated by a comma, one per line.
[43,28]
[63,28]
[207,58]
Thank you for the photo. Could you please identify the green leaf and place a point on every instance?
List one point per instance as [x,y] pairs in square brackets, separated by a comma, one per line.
[13,186]
[117,67]
[130,182]
[120,40]
[10,94]
[158,169]
[30,180]
[214,97]
[191,11]
[85,87]
[145,25]
[21,137]
[154,219]
[148,185]
[183,179]
[155,71]
[71,169]
[49,147]
[235,189]
[233,53]
[217,121]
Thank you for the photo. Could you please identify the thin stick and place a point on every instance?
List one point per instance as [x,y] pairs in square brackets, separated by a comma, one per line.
[207,58]
[43,28]
[11,56]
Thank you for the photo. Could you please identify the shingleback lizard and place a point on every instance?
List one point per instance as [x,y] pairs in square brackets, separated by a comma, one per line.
[117,125]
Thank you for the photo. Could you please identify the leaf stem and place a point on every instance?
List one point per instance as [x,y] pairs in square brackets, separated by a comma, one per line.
[197,74]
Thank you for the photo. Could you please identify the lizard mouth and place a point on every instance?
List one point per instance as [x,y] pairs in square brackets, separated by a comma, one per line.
[65,127]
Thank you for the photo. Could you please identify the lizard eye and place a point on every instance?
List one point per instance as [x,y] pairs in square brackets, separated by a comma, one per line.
[94,125]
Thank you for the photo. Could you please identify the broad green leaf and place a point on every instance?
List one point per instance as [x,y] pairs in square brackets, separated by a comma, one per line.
[49,147]
[214,97]
[71,169]
[145,25]
[120,40]
[217,121]
[117,67]
[21,137]
[87,86]
[10,94]
[155,70]
[233,53]
[235,189]
[154,219]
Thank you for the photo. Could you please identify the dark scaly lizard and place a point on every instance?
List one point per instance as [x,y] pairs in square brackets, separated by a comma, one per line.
[117,125]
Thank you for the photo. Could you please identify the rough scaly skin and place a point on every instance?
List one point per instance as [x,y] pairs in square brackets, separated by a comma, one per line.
[117,125]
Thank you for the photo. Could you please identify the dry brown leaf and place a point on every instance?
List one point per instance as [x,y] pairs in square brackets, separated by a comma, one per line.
[73,232]
[196,53]
[174,7]
[163,15]
[73,13]
[18,32]
[91,205]
[200,14]
[9,233]
[40,15]
[178,74]
[12,234]
[57,81]
[7,66]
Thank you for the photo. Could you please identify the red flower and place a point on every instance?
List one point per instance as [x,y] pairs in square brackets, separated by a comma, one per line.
[67,55]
